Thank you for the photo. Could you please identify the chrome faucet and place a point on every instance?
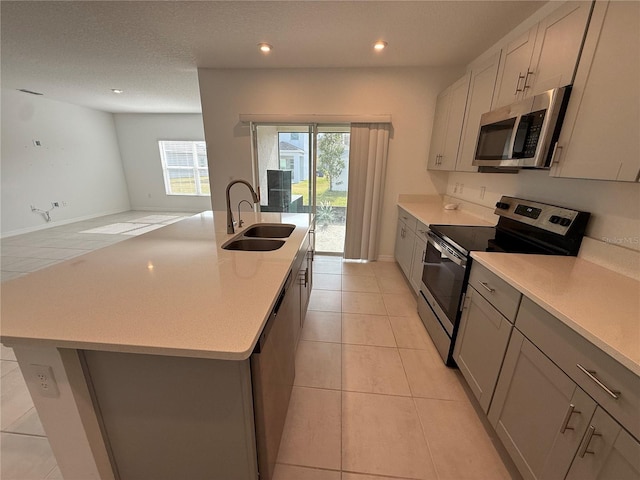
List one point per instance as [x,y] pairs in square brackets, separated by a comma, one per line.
[254,196]
[240,221]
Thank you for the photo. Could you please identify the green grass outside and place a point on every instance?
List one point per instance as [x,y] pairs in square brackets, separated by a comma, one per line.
[187,186]
[335,198]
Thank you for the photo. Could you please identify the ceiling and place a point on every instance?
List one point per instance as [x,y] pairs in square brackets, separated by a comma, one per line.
[77,51]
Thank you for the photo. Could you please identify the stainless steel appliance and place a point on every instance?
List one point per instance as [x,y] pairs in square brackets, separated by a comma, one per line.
[524,227]
[272,374]
[523,134]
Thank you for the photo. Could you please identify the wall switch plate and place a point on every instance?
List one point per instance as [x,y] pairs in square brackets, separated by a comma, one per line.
[45,381]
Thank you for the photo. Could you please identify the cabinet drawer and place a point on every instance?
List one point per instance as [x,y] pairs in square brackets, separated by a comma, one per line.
[499,293]
[408,219]
[421,230]
[570,351]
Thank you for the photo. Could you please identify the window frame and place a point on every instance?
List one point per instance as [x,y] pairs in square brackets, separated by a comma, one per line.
[194,168]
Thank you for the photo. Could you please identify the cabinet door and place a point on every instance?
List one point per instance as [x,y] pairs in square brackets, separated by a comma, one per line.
[557,48]
[483,81]
[514,65]
[480,346]
[439,128]
[539,413]
[459,91]
[404,248]
[599,138]
[419,251]
[607,451]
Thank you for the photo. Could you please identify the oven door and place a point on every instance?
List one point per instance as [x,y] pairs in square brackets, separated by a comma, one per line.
[443,275]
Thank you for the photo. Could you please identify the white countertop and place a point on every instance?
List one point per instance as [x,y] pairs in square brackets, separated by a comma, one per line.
[601,305]
[172,291]
[433,212]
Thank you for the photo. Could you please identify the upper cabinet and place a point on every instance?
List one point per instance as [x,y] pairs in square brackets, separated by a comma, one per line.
[483,79]
[447,126]
[599,138]
[544,57]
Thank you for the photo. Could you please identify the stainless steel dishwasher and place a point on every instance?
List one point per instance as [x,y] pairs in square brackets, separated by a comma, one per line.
[272,375]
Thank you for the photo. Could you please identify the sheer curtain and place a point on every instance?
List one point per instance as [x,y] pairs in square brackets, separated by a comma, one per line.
[367,170]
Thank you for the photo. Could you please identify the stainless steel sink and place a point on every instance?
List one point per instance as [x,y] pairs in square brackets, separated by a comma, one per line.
[270,230]
[253,244]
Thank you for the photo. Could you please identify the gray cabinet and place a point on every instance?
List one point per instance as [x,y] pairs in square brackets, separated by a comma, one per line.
[405,235]
[489,310]
[447,126]
[539,413]
[599,138]
[480,346]
[607,451]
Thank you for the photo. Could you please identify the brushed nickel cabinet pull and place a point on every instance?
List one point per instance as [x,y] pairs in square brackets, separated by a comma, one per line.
[567,417]
[584,448]
[526,79]
[592,375]
[487,287]
[555,150]
[518,89]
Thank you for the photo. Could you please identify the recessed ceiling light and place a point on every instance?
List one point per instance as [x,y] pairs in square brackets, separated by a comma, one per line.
[380,45]
[265,47]
[117,90]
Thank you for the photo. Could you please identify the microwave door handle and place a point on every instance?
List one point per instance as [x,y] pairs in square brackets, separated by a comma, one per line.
[455,259]
[512,141]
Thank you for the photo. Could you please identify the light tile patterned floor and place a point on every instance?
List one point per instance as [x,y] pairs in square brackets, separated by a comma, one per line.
[372,399]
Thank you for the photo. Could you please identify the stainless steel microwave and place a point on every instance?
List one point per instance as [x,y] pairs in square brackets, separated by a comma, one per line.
[523,134]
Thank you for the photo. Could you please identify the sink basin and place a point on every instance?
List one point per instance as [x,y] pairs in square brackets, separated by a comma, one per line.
[253,244]
[270,230]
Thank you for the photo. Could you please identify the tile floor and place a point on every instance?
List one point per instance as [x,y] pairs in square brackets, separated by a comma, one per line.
[372,399]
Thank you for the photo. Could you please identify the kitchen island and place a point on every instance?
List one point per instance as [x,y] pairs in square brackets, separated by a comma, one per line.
[137,356]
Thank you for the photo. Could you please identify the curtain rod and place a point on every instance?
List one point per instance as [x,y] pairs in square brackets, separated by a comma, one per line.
[312,118]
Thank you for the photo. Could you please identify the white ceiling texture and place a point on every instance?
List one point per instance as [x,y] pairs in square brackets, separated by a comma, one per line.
[77,51]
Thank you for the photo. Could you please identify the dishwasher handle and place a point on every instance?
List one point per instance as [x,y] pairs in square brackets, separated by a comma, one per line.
[273,316]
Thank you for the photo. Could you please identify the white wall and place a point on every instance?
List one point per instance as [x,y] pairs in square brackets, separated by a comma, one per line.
[78,163]
[138,136]
[408,94]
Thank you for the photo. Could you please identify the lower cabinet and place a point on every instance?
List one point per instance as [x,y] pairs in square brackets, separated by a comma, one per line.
[480,347]
[607,451]
[539,413]
[410,247]
[419,252]
[403,251]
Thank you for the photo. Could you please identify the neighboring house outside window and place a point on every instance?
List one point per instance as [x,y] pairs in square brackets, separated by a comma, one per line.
[184,167]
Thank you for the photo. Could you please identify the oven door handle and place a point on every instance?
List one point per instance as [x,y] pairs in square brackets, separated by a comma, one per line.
[445,251]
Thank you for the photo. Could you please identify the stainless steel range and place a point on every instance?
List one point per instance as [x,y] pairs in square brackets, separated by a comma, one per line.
[524,227]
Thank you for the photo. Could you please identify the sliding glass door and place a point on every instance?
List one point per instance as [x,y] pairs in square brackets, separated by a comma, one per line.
[304,168]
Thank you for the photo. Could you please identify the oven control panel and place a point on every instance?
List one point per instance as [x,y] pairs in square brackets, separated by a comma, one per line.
[547,217]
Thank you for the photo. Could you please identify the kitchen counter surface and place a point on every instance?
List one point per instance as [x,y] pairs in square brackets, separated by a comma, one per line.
[433,212]
[601,305]
[172,291]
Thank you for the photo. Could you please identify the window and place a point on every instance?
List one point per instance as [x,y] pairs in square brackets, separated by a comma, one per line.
[185,169]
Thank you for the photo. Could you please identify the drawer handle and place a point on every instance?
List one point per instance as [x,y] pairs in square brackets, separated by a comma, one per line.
[584,449]
[567,417]
[592,375]
[487,287]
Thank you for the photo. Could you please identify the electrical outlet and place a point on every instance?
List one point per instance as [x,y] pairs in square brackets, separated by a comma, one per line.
[55,204]
[64,204]
[37,143]
[43,376]
[455,189]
